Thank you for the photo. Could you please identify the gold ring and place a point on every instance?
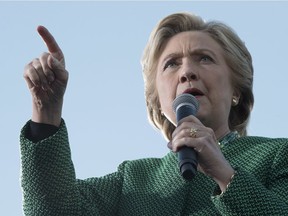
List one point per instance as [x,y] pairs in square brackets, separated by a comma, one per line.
[193,132]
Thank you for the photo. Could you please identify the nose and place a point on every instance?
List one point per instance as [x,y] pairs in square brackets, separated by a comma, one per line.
[188,73]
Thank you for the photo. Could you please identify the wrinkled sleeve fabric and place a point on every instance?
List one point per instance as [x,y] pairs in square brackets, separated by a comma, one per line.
[49,183]
[247,195]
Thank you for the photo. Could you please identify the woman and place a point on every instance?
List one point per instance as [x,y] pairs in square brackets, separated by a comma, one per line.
[237,174]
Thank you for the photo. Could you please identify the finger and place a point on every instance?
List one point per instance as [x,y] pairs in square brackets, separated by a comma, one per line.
[196,137]
[43,82]
[188,136]
[189,118]
[177,144]
[169,145]
[46,68]
[187,122]
[58,69]
[197,143]
[31,76]
[29,82]
[191,132]
[51,43]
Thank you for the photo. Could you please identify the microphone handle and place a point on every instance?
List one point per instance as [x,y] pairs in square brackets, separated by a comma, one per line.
[187,162]
[187,157]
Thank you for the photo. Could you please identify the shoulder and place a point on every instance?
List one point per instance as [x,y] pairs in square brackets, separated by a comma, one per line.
[256,146]
[150,163]
[257,154]
[257,140]
[146,167]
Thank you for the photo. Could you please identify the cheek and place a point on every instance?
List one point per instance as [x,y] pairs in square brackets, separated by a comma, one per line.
[222,96]
[166,90]
[166,93]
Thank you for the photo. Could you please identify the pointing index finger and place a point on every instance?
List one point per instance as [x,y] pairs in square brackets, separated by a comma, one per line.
[51,43]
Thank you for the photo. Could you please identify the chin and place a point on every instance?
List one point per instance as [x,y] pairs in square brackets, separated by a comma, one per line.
[202,118]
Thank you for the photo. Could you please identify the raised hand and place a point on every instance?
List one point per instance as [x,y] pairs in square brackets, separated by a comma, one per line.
[47,79]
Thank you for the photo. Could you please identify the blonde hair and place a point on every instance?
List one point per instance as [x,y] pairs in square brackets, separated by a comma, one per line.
[236,55]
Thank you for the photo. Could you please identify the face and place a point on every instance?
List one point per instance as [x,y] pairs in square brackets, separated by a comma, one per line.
[193,62]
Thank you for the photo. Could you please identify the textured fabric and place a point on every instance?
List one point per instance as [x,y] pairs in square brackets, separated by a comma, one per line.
[153,186]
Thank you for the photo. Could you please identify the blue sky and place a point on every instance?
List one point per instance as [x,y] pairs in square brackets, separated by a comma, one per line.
[104,103]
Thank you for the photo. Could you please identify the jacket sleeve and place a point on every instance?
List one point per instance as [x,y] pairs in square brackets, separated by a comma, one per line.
[50,186]
[246,195]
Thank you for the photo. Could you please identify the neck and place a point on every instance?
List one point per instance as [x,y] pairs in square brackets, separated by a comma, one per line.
[220,133]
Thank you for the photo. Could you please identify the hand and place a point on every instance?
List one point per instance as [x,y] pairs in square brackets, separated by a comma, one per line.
[47,80]
[211,161]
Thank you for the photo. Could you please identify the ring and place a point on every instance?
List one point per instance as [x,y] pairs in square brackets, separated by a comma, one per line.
[193,132]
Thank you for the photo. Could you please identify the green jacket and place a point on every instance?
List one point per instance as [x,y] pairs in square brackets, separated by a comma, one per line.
[153,186]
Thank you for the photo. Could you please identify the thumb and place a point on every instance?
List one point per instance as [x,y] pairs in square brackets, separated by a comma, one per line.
[54,63]
[57,67]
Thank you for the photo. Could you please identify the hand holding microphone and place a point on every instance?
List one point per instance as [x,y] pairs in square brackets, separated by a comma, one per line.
[211,160]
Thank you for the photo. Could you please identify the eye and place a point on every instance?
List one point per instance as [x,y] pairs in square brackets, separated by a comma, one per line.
[205,59]
[170,63]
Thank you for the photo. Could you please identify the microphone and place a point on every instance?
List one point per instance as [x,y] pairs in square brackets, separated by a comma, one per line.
[185,105]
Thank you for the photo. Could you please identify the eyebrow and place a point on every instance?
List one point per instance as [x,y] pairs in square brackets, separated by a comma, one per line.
[191,53]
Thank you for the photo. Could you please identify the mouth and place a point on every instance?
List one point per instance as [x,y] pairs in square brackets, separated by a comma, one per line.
[194,91]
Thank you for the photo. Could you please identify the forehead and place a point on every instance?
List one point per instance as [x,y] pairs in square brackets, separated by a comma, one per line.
[190,41]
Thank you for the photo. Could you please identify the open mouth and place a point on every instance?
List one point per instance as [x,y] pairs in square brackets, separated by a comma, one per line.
[194,91]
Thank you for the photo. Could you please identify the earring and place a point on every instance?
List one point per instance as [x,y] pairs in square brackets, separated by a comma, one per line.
[235,101]
[162,114]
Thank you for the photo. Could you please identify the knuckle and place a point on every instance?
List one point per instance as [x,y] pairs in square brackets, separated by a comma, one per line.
[28,70]
[185,124]
[43,57]
[36,63]
[210,133]
[186,140]
[45,54]
[210,130]
[35,60]
[183,132]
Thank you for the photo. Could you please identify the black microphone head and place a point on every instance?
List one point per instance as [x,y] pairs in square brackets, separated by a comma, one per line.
[186,99]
